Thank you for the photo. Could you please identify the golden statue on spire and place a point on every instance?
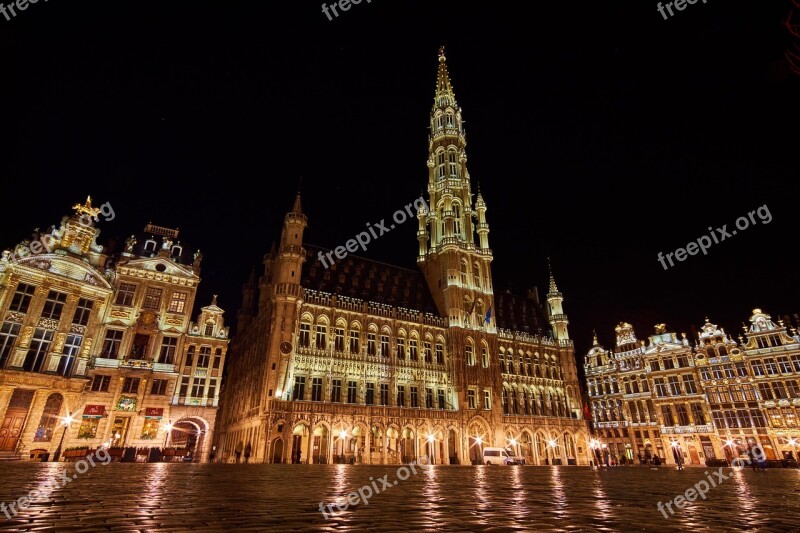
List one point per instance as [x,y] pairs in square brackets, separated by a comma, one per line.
[86,209]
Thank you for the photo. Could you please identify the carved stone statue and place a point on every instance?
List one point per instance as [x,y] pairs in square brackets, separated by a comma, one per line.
[130,243]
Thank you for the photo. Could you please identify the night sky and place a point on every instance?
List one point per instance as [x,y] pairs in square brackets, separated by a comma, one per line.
[601,134]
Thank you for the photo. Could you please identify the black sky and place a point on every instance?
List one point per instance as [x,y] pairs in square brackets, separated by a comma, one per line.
[600,133]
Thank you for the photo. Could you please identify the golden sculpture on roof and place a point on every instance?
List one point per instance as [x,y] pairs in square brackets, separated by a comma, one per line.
[86,209]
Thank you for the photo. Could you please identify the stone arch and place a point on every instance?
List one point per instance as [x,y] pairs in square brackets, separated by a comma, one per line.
[191,432]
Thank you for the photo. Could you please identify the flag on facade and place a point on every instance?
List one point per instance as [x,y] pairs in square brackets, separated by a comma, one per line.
[488,315]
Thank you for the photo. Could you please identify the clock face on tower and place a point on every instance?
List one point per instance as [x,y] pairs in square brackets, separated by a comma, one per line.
[286,347]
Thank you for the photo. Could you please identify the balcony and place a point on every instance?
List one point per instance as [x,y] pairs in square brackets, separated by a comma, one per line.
[613,424]
[140,364]
[366,410]
[102,362]
[677,430]
[162,367]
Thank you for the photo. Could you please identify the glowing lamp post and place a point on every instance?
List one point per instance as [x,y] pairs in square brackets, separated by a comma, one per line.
[167,431]
[67,421]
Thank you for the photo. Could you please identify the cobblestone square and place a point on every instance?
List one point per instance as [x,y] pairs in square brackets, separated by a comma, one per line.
[225,497]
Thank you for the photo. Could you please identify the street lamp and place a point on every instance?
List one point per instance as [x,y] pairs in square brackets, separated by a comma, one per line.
[167,430]
[67,421]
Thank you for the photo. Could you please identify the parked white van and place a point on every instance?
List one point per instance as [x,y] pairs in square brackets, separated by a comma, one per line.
[498,456]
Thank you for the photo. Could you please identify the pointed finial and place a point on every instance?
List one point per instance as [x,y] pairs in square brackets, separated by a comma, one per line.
[553,287]
[594,338]
[442,57]
[297,207]
[214,300]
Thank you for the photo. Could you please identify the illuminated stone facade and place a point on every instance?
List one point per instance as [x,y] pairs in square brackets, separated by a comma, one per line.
[372,363]
[716,399]
[108,341]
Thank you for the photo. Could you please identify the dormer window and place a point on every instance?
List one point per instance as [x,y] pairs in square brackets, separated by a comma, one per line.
[209,329]
[150,245]
[177,251]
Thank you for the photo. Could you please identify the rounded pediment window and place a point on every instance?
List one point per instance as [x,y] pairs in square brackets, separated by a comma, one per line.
[161,267]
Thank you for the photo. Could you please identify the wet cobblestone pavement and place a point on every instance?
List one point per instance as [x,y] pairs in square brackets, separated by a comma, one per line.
[184,497]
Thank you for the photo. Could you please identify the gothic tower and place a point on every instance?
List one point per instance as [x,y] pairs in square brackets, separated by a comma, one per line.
[286,296]
[457,269]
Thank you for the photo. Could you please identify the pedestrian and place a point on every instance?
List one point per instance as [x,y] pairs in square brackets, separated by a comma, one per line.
[753,461]
[656,461]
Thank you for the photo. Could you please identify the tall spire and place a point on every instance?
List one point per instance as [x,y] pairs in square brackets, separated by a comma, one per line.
[553,287]
[297,207]
[444,89]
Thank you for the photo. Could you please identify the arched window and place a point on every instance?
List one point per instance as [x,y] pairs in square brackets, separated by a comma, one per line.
[722,351]
[449,120]
[502,361]
[464,273]
[476,272]
[710,351]
[470,354]
[49,421]
[452,162]
[440,165]
[484,356]
[457,214]
[505,401]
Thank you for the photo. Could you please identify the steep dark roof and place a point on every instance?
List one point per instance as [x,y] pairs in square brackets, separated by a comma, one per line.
[517,313]
[368,280]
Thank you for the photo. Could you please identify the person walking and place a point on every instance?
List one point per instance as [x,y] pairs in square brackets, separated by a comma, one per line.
[656,461]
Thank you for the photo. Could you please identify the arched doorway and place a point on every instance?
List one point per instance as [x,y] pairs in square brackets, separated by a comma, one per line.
[526,446]
[452,446]
[49,419]
[277,450]
[319,451]
[189,435]
[299,443]
[407,449]
[392,446]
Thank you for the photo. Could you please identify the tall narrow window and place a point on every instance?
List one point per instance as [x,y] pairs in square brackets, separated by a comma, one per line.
[352,392]
[471,399]
[203,357]
[441,398]
[412,349]
[299,391]
[168,347]
[401,348]
[354,338]
[50,418]
[338,339]
[72,347]
[305,335]
[9,332]
[22,298]
[54,305]
[40,345]
[429,398]
[370,397]
[321,334]
[384,394]
[82,312]
[439,354]
[316,390]
[414,397]
[470,355]
[452,158]
[336,390]
[371,344]
[190,355]
[428,352]
[384,346]
[464,274]
[440,162]
[401,395]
